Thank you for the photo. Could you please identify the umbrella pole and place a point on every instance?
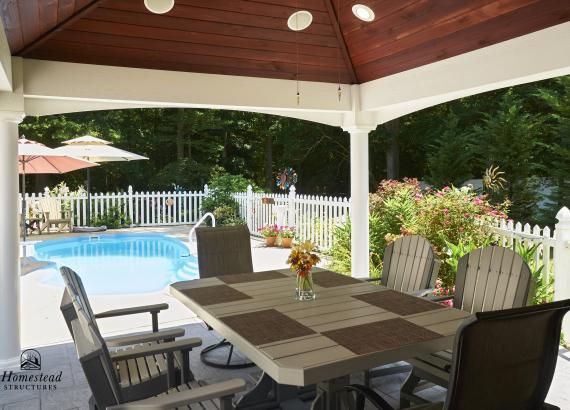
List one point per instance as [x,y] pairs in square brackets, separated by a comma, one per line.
[88,223]
[23,222]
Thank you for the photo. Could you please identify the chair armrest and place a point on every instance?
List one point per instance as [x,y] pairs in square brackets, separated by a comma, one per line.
[146,337]
[422,293]
[158,348]
[132,310]
[185,397]
[440,298]
[371,279]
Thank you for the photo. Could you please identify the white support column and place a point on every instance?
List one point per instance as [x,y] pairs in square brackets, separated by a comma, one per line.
[561,262]
[359,201]
[9,242]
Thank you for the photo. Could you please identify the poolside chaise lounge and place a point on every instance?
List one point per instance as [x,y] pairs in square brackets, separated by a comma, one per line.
[144,364]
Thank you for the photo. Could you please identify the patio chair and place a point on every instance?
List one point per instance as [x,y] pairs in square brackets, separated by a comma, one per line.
[489,369]
[487,279]
[107,392]
[411,266]
[53,214]
[149,373]
[223,250]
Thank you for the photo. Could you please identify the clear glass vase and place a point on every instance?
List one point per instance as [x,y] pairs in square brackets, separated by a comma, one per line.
[304,289]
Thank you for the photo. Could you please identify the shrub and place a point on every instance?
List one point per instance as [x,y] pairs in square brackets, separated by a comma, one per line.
[113,218]
[447,217]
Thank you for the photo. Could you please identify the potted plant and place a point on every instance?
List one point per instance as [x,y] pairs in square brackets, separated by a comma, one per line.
[302,260]
[286,235]
[270,233]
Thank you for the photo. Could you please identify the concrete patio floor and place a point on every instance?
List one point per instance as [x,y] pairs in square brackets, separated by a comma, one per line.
[44,329]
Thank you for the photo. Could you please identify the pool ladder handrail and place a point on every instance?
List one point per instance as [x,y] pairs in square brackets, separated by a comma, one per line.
[200,222]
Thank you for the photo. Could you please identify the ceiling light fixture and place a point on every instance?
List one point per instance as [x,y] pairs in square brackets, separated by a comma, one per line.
[299,20]
[159,6]
[363,12]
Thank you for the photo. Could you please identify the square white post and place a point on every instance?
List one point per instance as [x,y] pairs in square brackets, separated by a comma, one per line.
[562,262]
[9,240]
[360,247]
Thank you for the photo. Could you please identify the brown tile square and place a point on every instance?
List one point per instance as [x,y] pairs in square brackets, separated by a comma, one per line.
[329,279]
[398,302]
[266,326]
[212,295]
[251,277]
[379,336]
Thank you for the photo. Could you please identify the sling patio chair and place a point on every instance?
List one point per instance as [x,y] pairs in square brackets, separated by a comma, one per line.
[410,265]
[224,250]
[107,392]
[150,372]
[503,359]
[487,279]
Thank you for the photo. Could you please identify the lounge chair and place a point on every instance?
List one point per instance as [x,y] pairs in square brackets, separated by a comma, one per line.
[487,279]
[502,360]
[107,392]
[223,250]
[411,266]
[146,371]
[54,215]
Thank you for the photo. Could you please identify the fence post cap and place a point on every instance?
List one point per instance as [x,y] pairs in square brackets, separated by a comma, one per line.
[563,216]
[249,188]
[292,189]
[130,189]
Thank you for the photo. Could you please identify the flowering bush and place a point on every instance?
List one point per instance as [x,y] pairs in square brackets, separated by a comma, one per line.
[287,232]
[269,231]
[441,291]
[446,216]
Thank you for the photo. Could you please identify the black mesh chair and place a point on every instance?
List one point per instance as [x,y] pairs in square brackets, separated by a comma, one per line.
[502,359]
[222,251]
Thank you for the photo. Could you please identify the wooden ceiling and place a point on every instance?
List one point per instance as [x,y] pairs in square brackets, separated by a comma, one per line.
[250,37]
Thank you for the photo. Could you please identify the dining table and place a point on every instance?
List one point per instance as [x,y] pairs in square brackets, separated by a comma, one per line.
[309,349]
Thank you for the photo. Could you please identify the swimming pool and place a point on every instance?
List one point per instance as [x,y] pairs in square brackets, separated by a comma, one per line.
[119,263]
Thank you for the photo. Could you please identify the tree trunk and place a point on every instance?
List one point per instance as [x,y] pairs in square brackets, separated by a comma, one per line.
[393,149]
[269,162]
[180,134]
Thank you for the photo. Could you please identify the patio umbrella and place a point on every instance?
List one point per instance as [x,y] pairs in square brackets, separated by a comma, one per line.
[36,158]
[95,150]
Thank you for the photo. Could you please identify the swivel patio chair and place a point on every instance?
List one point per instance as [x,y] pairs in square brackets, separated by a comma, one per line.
[411,266]
[108,393]
[223,250]
[487,279]
[148,374]
[491,372]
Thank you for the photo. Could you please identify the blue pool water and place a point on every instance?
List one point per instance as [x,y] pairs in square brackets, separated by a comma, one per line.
[119,263]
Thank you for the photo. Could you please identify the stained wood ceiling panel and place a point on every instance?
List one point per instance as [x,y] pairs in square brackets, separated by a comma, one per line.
[250,37]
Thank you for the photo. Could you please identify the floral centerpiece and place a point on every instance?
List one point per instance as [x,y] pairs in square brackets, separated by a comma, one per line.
[302,260]
[286,235]
[270,233]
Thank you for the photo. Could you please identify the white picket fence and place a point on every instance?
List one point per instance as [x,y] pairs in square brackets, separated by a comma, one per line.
[142,208]
[313,217]
[510,233]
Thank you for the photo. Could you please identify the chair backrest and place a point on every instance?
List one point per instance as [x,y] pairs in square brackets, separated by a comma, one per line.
[409,264]
[506,359]
[491,278]
[223,251]
[51,205]
[96,361]
[75,288]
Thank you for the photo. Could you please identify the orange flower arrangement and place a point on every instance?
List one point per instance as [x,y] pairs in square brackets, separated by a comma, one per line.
[302,259]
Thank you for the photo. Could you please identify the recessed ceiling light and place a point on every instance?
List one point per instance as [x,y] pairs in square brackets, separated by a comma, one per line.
[299,20]
[159,6]
[363,12]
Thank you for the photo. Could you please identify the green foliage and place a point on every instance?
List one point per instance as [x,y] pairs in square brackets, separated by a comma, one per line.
[451,219]
[542,290]
[113,218]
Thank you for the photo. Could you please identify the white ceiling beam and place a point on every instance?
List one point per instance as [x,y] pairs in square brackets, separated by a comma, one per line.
[533,57]
[142,87]
[5,61]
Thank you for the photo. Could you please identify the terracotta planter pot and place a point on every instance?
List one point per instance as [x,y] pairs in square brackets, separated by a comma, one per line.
[270,241]
[286,242]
